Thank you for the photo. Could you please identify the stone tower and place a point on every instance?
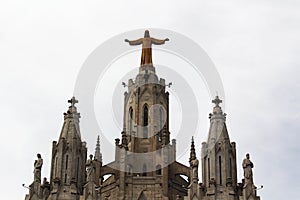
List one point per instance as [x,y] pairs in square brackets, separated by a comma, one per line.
[219,171]
[145,166]
[68,158]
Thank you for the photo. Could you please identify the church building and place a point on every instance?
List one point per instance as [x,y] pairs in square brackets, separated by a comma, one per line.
[145,166]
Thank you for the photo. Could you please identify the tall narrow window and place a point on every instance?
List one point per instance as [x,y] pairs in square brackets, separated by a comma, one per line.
[230,167]
[55,167]
[160,119]
[208,168]
[130,121]
[220,169]
[160,124]
[144,170]
[77,171]
[66,169]
[145,122]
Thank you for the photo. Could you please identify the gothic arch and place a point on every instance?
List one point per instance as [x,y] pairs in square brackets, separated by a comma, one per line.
[145,120]
[180,169]
[105,170]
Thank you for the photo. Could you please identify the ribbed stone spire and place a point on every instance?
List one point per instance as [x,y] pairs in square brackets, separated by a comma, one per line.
[98,154]
[217,122]
[192,151]
[71,121]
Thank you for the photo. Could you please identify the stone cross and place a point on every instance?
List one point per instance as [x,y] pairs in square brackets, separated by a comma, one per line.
[73,101]
[217,101]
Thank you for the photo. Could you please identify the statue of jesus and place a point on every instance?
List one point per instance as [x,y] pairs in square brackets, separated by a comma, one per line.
[146,41]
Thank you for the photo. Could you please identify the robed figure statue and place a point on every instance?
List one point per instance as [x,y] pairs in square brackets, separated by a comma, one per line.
[249,186]
[38,168]
[90,169]
[146,41]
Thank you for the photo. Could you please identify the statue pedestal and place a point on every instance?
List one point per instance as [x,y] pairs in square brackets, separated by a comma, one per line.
[90,192]
[249,193]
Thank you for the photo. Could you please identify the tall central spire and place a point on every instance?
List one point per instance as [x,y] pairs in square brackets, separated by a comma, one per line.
[146,41]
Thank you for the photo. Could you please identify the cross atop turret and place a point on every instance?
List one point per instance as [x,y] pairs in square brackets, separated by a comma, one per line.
[217,101]
[73,101]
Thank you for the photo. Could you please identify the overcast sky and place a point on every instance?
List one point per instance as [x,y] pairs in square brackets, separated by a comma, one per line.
[254,45]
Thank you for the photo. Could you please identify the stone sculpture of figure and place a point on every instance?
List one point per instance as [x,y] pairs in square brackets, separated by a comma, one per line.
[90,169]
[248,175]
[37,168]
[146,42]
[249,187]
[194,165]
[45,188]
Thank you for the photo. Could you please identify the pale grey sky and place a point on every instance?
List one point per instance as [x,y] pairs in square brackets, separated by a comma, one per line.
[254,45]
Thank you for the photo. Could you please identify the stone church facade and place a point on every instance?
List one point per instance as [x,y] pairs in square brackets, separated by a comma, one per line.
[145,165]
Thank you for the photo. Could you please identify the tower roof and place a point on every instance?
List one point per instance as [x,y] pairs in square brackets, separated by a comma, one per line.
[71,121]
[217,123]
[98,154]
[192,151]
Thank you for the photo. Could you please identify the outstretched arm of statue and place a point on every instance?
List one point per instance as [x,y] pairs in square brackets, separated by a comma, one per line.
[157,41]
[134,42]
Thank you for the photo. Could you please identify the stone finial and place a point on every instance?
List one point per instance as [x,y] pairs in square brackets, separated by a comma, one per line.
[192,151]
[72,111]
[73,101]
[98,154]
[217,109]
[217,101]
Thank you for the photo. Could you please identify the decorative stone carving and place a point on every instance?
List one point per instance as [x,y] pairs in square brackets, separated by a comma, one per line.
[90,169]
[37,168]
[249,187]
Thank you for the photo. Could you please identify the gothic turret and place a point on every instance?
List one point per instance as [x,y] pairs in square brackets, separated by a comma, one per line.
[68,158]
[219,158]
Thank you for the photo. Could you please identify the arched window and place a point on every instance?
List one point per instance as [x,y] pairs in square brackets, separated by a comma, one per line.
[160,124]
[144,170]
[130,118]
[158,169]
[145,121]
